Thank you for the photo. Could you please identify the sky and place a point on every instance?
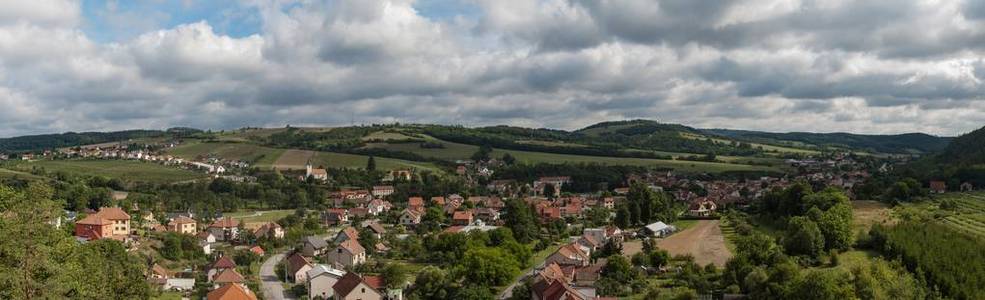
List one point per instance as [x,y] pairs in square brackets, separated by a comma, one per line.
[874,66]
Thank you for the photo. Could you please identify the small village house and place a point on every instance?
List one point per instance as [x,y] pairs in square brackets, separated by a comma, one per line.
[225,229]
[183,225]
[321,279]
[314,246]
[352,287]
[297,268]
[348,253]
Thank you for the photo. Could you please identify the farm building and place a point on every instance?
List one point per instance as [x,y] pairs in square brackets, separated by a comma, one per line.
[658,229]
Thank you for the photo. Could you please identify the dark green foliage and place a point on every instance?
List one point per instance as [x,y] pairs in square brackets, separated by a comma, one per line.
[520,218]
[900,143]
[371,164]
[803,237]
[585,178]
[967,149]
[180,246]
[71,139]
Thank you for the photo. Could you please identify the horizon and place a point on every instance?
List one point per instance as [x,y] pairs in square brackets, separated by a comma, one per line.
[793,66]
[314,126]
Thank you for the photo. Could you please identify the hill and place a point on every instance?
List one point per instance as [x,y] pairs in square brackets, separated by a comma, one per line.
[72,139]
[967,149]
[909,143]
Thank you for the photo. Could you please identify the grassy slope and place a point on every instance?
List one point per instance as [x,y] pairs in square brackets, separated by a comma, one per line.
[5,173]
[124,169]
[454,151]
[245,151]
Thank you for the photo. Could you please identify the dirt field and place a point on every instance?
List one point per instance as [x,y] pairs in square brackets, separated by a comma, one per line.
[703,240]
[293,159]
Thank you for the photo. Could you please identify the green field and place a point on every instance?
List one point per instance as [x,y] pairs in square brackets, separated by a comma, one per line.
[969,216]
[267,157]
[771,148]
[5,173]
[456,151]
[260,216]
[123,169]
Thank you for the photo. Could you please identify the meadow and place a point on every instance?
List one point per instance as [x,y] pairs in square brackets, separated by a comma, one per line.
[123,169]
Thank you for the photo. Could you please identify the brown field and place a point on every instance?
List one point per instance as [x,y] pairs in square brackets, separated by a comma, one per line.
[868,213]
[704,241]
[293,159]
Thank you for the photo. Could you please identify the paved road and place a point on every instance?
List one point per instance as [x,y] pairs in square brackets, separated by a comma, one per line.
[273,288]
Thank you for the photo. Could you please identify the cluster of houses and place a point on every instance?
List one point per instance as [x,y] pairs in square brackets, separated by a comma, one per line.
[569,273]
[329,280]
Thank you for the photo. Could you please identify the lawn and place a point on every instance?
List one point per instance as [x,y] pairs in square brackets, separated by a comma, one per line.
[123,169]
[267,157]
[262,216]
[868,213]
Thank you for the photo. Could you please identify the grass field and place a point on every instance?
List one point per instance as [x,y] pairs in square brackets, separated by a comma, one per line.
[771,148]
[267,157]
[123,169]
[262,216]
[868,213]
[5,173]
[456,151]
[969,216]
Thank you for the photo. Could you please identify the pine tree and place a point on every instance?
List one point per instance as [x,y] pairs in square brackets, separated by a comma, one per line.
[371,164]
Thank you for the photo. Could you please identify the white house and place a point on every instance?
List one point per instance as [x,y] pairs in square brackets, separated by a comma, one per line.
[321,278]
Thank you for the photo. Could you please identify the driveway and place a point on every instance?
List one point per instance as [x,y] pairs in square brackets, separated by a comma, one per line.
[273,288]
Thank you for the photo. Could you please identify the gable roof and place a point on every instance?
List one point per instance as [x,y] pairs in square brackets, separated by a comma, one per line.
[347,283]
[462,215]
[229,276]
[182,220]
[320,269]
[352,246]
[161,271]
[415,201]
[350,233]
[376,227]
[113,213]
[226,222]
[223,262]
[375,282]
[231,291]
[316,242]
[296,262]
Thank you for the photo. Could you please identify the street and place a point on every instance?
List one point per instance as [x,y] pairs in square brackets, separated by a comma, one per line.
[273,288]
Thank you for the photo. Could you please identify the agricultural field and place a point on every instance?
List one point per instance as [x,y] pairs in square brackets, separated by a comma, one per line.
[262,216]
[456,151]
[262,157]
[5,173]
[770,148]
[702,238]
[123,169]
[869,212]
[969,214]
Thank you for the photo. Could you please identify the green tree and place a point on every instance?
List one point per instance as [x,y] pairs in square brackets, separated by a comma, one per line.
[371,164]
[395,275]
[508,159]
[803,237]
[622,217]
[520,218]
[488,266]
[836,226]
[482,154]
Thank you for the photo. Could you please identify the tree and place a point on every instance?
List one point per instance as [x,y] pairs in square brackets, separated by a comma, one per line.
[371,164]
[520,219]
[803,237]
[394,275]
[482,154]
[634,213]
[550,191]
[836,226]
[432,283]
[618,268]
[488,266]
[622,217]
[508,159]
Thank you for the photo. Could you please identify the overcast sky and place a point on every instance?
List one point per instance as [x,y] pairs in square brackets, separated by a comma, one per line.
[873,66]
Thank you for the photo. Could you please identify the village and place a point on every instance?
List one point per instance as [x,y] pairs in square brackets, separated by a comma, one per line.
[348,245]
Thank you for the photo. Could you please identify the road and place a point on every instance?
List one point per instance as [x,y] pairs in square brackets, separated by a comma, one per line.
[273,288]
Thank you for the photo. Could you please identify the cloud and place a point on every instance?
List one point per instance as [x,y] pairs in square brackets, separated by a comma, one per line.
[879,66]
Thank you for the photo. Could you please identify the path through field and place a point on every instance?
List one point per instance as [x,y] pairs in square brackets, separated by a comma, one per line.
[703,240]
[293,159]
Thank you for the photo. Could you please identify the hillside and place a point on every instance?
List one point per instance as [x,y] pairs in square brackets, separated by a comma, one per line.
[71,139]
[909,143]
[967,149]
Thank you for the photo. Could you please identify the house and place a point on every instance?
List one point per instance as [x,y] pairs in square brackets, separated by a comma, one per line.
[228,276]
[702,208]
[159,272]
[462,218]
[221,264]
[352,287]
[569,255]
[183,225]
[108,222]
[967,187]
[270,230]
[225,229]
[179,284]
[231,291]
[205,240]
[415,203]
[556,290]
[410,217]
[348,253]
[321,279]
[377,206]
[488,215]
[658,229]
[335,216]
[349,233]
[257,250]
[376,228]
[314,246]
[317,174]
[938,187]
[297,268]
[382,190]
[590,242]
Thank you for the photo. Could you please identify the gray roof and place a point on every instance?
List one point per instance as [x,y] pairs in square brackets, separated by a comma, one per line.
[320,269]
[316,242]
[658,226]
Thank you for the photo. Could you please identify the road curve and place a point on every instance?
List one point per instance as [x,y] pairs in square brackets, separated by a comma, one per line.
[273,288]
